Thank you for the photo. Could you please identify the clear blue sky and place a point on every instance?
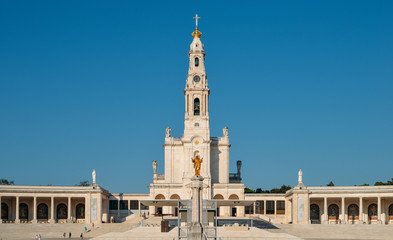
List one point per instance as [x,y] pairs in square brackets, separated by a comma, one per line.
[93,84]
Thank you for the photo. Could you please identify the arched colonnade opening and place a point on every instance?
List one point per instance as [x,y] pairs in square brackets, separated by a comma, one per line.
[175,210]
[158,210]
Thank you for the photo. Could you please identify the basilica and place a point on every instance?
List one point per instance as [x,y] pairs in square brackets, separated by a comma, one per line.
[94,204]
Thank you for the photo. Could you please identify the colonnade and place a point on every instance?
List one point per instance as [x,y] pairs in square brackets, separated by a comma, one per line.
[13,204]
[357,215]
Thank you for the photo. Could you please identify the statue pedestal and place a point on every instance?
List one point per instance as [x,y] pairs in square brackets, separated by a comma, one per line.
[196,206]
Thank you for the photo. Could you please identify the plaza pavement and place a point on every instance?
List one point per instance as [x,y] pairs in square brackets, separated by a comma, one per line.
[133,230]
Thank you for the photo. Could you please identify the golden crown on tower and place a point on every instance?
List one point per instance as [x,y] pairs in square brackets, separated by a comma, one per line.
[196,33]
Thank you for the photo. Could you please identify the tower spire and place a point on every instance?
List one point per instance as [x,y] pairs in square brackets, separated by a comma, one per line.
[196,121]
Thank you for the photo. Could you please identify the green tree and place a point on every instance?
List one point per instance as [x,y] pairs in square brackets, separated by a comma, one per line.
[282,189]
[83,183]
[331,184]
[4,181]
[247,190]
[389,182]
[259,190]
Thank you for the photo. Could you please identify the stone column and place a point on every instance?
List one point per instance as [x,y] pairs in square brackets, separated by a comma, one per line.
[195,231]
[139,207]
[99,209]
[343,210]
[379,211]
[35,209]
[87,209]
[17,220]
[254,208]
[275,208]
[264,207]
[1,220]
[118,208]
[69,207]
[52,210]
[288,211]
[325,211]
[361,210]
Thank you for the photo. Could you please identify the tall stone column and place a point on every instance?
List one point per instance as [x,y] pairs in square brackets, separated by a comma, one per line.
[196,206]
[69,208]
[343,210]
[35,209]
[139,207]
[325,211]
[379,211]
[52,210]
[264,207]
[17,220]
[361,221]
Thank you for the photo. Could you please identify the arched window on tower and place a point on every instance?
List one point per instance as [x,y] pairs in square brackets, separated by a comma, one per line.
[196,107]
[196,62]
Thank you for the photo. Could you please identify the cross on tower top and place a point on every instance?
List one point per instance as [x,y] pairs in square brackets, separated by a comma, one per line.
[196,20]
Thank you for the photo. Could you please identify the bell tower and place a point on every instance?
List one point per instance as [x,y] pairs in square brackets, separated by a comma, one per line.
[196,120]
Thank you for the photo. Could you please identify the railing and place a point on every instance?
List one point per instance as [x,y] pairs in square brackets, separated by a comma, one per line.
[160,176]
[234,177]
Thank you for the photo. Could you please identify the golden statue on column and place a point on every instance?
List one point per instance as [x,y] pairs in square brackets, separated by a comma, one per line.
[197,165]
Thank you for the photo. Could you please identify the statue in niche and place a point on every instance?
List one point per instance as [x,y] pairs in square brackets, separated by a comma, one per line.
[225,131]
[155,167]
[168,132]
[197,165]
[93,174]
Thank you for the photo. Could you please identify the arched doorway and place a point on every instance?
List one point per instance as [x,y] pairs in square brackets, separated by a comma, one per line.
[175,210]
[23,211]
[159,209]
[314,214]
[42,211]
[61,211]
[391,212]
[4,211]
[233,209]
[218,196]
[333,212]
[373,212]
[80,211]
[353,213]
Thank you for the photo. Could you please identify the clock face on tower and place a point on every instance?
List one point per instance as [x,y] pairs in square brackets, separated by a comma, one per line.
[197,78]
